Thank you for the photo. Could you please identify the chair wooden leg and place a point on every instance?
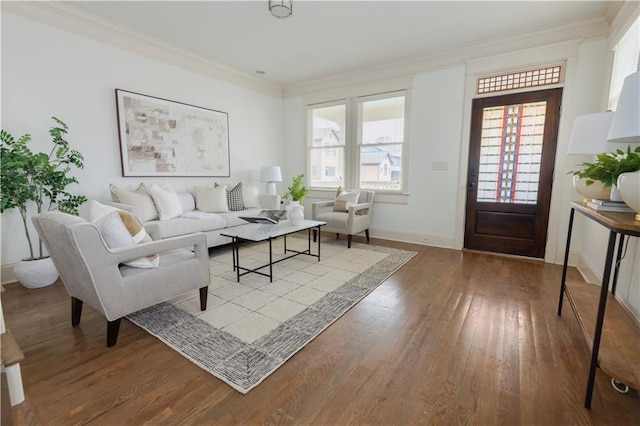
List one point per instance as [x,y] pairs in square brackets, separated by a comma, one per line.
[203,298]
[315,235]
[113,327]
[76,311]
[366,233]
[337,236]
[349,240]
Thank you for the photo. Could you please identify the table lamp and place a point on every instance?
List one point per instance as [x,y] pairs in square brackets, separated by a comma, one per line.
[271,175]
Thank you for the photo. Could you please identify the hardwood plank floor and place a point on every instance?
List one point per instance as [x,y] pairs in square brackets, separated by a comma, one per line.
[451,338]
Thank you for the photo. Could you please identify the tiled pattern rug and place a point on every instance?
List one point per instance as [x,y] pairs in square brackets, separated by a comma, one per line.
[253,327]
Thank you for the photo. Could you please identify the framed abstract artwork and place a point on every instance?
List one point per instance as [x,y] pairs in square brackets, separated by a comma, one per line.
[159,137]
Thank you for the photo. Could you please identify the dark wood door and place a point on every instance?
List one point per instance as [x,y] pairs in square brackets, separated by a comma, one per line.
[511,156]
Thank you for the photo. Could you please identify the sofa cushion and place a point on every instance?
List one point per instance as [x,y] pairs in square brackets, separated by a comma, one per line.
[233,218]
[120,228]
[187,202]
[184,225]
[166,201]
[211,199]
[139,198]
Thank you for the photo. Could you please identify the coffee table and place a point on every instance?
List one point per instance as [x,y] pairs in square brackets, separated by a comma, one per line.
[262,232]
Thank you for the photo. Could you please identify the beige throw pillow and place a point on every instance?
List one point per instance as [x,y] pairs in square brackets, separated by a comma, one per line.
[211,199]
[345,199]
[139,198]
[120,228]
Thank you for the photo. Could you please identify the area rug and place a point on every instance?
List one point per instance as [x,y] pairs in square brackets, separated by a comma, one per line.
[253,327]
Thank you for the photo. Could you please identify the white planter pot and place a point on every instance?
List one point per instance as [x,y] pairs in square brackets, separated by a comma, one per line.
[615,194]
[629,188]
[36,273]
[295,213]
[596,190]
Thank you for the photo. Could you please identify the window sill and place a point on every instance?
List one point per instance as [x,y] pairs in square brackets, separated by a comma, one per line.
[381,197]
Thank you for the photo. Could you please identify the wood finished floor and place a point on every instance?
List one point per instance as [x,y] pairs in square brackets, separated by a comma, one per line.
[451,338]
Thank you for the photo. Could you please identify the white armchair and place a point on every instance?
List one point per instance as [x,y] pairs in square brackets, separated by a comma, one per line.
[94,274]
[354,221]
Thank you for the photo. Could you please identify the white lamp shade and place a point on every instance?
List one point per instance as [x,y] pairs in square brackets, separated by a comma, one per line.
[589,135]
[270,174]
[625,127]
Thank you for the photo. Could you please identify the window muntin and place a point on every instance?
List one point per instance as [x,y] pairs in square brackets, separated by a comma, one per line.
[520,80]
[511,153]
[625,62]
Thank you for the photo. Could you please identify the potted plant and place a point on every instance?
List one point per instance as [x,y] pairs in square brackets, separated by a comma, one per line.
[297,192]
[608,167]
[39,179]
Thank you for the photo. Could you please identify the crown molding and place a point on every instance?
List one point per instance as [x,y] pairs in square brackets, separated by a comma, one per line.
[590,28]
[76,21]
[621,18]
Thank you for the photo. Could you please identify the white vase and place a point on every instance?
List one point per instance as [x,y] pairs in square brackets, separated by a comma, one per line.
[295,213]
[615,194]
[595,190]
[629,188]
[36,273]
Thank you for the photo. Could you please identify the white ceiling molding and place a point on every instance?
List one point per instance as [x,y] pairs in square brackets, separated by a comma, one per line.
[590,28]
[78,22]
[626,15]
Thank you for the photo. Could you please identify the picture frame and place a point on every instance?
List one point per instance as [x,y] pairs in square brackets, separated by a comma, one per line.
[159,137]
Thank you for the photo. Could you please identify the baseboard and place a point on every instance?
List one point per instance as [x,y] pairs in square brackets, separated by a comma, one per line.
[433,240]
[574,257]
[6,274]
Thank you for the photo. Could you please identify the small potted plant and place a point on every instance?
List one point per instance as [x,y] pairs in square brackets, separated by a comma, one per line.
[297,192]
[608,167]
[39,179]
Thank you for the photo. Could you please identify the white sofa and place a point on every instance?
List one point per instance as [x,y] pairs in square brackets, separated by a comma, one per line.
[192,220]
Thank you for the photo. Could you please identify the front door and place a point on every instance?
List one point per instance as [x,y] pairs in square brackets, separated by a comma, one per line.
[511,155]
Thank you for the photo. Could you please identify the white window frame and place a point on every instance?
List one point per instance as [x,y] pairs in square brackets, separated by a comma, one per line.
[353,138]
[625,62]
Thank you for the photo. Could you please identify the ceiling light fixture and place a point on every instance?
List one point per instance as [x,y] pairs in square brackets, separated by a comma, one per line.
[281,8]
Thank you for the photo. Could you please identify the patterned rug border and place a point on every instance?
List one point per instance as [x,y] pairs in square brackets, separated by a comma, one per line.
[243,366]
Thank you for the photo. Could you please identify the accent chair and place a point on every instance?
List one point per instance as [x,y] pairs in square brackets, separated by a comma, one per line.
[94,274]
[356,219]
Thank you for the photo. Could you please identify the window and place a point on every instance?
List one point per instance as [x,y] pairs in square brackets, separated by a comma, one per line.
[625,61]
[358,142]
[520,80]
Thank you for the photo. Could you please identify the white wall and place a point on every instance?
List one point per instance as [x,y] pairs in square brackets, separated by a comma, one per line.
[47,72]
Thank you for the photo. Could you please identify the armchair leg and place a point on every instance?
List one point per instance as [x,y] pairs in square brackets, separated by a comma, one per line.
[366,233]
[113,327]
[76,311]
[349,240]
[315,235]
[337,236]
[203,298]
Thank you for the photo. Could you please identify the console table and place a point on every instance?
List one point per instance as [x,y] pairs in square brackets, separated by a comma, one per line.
[609,329]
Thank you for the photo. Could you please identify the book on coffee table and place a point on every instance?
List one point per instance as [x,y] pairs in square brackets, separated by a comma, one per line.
[265,216]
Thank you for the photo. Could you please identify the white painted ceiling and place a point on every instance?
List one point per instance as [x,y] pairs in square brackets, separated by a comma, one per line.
[328,38]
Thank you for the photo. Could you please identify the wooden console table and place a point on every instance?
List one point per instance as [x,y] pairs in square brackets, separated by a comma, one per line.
[609,329]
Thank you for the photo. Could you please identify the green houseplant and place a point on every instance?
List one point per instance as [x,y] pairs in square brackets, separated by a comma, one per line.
[39,179]
[609,166]
[297,191]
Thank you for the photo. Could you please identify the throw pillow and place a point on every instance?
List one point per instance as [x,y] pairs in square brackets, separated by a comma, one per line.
[211,199]
[234,198]
[250,196]
[120,228]
[166,201]
[345,199]
[139,198]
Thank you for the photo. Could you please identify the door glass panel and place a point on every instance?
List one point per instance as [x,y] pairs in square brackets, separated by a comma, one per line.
[510,153]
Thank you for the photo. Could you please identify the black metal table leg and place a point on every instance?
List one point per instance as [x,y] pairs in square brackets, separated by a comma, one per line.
[236,256]
[600,318]
[271,260]
[319,243]
[566,262]
[614,284]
